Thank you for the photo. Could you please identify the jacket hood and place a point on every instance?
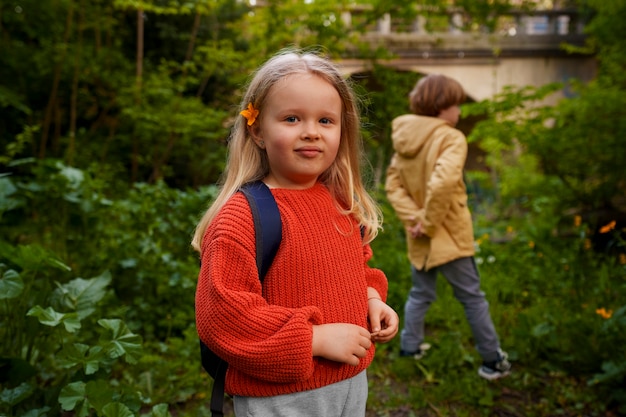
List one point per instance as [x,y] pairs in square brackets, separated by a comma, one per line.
[409,132]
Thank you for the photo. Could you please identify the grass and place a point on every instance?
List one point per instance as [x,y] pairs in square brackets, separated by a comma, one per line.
[435,386]
[545,306]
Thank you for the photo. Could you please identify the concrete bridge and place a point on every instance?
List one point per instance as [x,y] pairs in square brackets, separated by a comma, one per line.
[522,49]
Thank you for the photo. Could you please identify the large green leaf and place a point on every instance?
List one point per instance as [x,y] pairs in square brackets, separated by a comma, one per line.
[82,295]
[72,395]
[117,410]
[122,342]
[161,410]
[100,394]
[38,412]
[52,318]
[32,257]
[16,395]
[82,396]
[11,284]
[80,354]
[7,189]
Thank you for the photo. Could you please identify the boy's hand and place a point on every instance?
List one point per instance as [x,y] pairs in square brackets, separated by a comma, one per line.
[341,342]
[416,230]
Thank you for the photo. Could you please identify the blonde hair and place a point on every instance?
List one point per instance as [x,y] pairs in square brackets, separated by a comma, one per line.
[247,162]
[434,93]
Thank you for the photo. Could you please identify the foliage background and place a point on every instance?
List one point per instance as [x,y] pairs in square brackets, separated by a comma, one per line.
[113,121]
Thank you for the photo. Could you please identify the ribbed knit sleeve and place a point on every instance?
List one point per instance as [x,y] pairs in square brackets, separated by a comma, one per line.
[375,277]
[319,275]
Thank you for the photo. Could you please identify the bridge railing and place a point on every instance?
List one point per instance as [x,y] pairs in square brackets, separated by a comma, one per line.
[451,33]
[515,22]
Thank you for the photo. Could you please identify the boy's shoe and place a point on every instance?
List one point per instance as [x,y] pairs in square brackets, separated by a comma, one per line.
[496,369]
[418,354]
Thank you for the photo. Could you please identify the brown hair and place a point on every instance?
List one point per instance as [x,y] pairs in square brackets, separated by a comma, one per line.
[434,93]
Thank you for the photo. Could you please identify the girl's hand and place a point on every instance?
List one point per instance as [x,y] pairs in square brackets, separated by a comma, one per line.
[383,319]
[341,342]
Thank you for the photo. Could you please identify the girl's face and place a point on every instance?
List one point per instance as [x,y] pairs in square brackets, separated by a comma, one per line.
[300,129]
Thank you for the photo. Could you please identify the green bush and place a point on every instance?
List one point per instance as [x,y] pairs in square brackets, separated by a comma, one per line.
[556,303]
[141,239]
[58,347]
[124,341]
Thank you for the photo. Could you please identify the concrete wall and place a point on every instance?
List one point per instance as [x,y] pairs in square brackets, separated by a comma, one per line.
[484,81]
[484,78]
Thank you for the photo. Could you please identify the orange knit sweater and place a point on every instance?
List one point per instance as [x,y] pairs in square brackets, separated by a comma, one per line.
[320,275]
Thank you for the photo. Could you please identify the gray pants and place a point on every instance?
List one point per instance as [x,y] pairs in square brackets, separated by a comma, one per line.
[463,276]
[346,398]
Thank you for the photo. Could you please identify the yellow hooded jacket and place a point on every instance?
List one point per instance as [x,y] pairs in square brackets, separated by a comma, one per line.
[425,184]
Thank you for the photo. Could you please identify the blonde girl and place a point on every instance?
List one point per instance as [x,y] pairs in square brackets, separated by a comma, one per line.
[299,344]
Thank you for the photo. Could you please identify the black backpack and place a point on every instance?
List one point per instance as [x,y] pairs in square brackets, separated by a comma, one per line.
[268,234]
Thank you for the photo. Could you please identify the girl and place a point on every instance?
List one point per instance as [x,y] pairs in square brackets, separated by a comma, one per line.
[299,344]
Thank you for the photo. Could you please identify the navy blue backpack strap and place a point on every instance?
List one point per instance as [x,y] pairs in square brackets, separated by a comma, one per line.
[268,235]
[267,224]
[217,393]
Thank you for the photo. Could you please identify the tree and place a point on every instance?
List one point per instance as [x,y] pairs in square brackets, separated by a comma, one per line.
[145,89]
[556,161]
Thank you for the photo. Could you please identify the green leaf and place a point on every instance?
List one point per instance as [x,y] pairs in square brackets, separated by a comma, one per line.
[38,412]
[7,189]
[32,257]
[100,394]
[75,177]
[71,395]
[92,364]
[117,410]
[161,410]
[72,354]
[122,342]
[71,322]
[11,284]
[80,354]
[542,329]
[612,371]
[58,264]
[13,396]
[82,295]
[50,317]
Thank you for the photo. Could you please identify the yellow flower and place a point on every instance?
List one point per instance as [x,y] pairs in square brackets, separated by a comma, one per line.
[531,244]
[608,227]
[509,229]
[604,313]
[250,114]
[622,258]
[577,220]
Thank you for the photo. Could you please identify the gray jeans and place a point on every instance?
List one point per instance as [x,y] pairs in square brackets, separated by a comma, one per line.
[465,281]
[346,398]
